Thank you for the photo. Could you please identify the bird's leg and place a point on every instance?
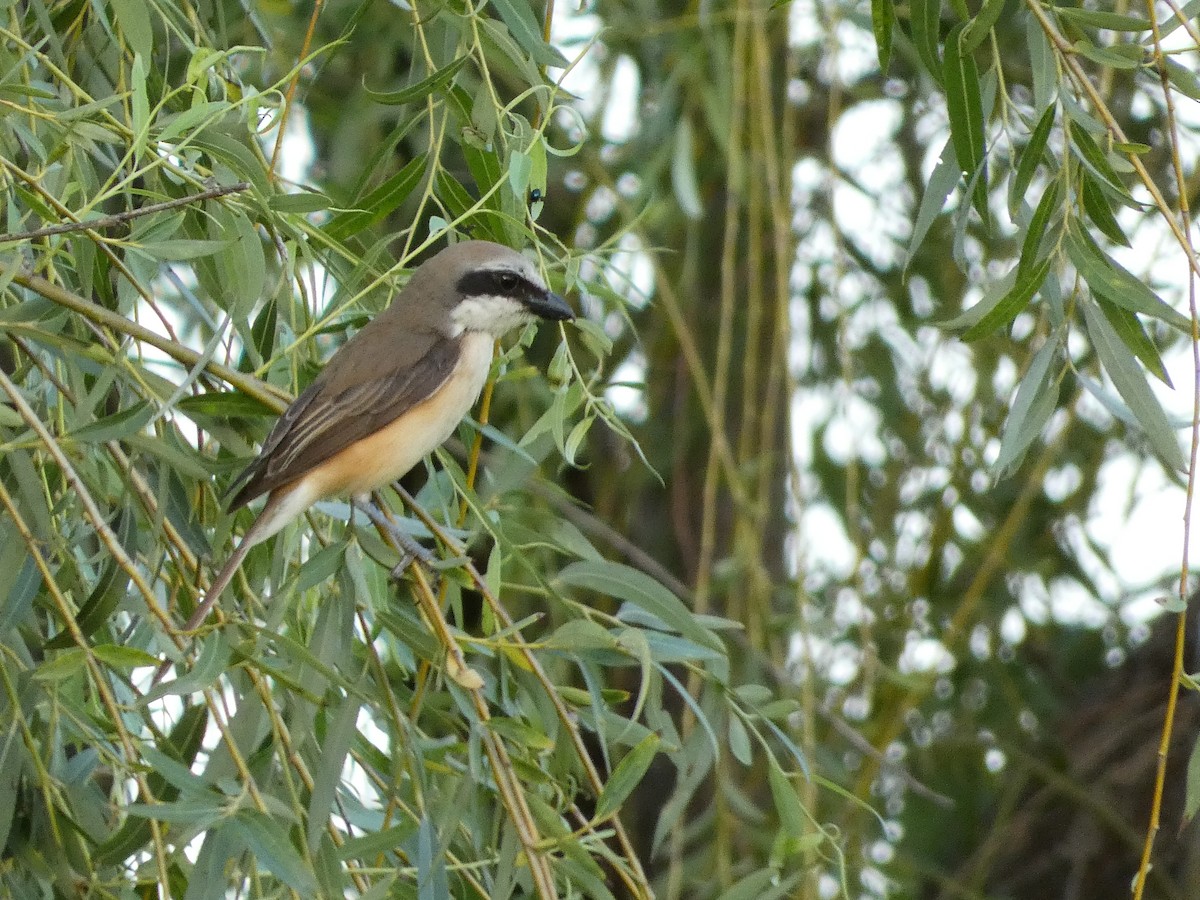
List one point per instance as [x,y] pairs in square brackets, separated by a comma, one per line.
[411,550]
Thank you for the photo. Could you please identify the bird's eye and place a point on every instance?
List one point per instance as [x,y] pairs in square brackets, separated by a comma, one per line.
[507,281]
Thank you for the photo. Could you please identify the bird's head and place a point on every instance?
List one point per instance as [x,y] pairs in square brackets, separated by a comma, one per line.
[491,288]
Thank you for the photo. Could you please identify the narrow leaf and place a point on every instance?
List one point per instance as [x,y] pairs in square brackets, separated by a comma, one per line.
[1106,276]
[683,172]
[421,89]
[524,28]
[1129,329]
[1095,204]
[1037,396]
[1117,56]
[1183,78]
[1123,369]
[626,776]
[626,583]
[941,182]
[964,105]
[135,21]
[1192,797]
[1093,158]
[925,22]
[792,817]
[299,203]
[267,839]
[1047,207]
[1106,20]
[1011,303]
[883,20]
[979,27]
[1031,157]
[739,741]
[378,203]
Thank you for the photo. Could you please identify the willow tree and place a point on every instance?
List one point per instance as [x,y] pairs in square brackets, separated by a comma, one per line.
[752,579]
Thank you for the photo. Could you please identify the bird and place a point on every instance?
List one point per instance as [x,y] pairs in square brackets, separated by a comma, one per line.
[392,393]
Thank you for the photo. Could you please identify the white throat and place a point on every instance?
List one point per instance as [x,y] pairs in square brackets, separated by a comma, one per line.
[490,314]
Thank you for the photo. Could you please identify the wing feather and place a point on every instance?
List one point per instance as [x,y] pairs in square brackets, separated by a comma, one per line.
[331,415]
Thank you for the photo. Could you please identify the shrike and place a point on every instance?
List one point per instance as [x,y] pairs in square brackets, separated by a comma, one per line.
[393,392]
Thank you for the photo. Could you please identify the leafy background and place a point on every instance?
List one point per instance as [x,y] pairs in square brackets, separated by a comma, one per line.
[790,566]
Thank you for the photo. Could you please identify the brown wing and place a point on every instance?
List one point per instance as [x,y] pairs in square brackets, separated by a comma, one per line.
[344,404]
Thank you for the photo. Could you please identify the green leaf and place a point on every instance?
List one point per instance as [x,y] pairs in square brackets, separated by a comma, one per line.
[115,427]
[62,666]
[684,181]
[184,123]
[421,89]
[268,841]
[575,438]
[883,20]
[524,28]
[1093,158]
[498,42]
[373,843]
[520,167]
[925,22]
[1117,56]
[1127,376]
[225,405]
[521,734]
[139,104]
[1011,304]
[1192,796]
[625,583]
[765,884]
[237,157]
[108,591]
[942,180]
[1031,158]
[1184,79]
[1129,329]
[327,777]
[299,203]
[1107,20]
[180,250]
[1047,207]
[739,741]
[1043,63]
[1105,276]
[245,256]
[123,657]
[964,105]
[135,20]
[1095,204]
[379,203]
[626,776]
[262,334]
[318,567]
[1036,399]
[792,818]
[981,26]
[581,635]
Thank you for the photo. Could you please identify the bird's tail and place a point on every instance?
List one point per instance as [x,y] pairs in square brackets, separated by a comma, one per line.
[254,536]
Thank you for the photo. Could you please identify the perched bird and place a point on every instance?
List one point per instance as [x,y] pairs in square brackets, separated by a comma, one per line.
[393,392]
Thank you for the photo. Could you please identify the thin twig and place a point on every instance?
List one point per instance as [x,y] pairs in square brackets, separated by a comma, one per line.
[123,217]
[1160,774]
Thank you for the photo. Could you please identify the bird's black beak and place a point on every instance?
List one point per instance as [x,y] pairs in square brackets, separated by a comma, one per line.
[550,306]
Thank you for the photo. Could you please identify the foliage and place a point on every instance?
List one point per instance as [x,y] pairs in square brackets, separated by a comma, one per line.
[880,302]
[165,289]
